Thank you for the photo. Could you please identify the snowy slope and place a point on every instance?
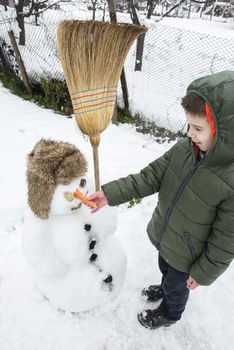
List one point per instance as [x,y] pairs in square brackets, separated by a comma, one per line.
[29,322]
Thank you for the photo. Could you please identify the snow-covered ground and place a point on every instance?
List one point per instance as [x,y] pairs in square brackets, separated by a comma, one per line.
[27,320]
[214,28]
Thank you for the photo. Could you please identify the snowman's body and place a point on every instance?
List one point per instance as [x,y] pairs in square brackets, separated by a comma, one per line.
[77,262]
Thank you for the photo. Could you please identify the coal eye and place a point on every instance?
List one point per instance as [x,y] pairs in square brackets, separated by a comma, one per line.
[82,183]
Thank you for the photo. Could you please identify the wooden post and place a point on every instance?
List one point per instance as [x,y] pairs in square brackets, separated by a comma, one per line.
[124,89]
[20,62]
[115,114]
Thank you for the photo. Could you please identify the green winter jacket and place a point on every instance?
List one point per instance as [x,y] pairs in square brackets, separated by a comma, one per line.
[193,223]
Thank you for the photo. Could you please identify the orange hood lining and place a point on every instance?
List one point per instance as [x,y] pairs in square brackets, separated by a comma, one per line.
[210,120]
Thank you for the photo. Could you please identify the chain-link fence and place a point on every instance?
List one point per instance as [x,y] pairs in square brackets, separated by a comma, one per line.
[172,58]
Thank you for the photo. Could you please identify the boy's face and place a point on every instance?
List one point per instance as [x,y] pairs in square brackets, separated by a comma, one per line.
[199,131]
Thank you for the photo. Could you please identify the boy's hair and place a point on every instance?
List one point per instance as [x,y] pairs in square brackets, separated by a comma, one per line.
[194,104]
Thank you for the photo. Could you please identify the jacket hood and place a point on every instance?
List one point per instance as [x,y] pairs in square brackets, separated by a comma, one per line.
[218,91]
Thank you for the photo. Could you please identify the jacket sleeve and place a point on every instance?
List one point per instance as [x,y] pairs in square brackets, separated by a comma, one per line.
[139,185]
[219,250]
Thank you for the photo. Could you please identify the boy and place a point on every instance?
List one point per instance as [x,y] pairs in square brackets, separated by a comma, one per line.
[192,226]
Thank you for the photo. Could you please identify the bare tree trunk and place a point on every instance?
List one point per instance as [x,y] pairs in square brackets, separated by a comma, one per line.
[201,11]
[151,4]
[111,5]
[113,19]
[21,13]
[133,13]
[94,3]
[104,12]
[20,20]
[5,5]
[36,10]
[140,39]
[189,11]
[139,52]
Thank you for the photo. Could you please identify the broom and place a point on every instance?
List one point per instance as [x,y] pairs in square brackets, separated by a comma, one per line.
[92,55]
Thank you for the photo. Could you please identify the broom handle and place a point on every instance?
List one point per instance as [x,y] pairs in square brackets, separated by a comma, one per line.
[96,167]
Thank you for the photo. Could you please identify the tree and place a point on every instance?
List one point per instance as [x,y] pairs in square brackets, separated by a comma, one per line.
[113,19]
[95,5]
[224,8]
[140,39]
[5,4]
[27,8]
[151,4]
[20,17]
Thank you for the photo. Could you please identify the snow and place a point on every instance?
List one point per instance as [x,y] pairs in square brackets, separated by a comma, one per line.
[214,28]
[27,320]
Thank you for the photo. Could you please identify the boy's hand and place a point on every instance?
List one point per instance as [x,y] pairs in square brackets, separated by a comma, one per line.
[191,283]
[100,200]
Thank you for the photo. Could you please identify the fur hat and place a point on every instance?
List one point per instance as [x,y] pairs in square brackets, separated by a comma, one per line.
[51,163]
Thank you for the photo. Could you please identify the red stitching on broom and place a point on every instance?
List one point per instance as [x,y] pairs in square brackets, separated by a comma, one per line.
[93,100]
[97,104]
[94,110]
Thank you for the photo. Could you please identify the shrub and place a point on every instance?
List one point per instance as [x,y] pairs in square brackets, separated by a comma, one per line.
[133,202]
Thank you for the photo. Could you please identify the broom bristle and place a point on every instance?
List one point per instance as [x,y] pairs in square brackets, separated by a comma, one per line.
[92,55]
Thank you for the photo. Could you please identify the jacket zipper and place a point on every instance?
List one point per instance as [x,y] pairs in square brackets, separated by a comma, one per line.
[177,196]
[190,245]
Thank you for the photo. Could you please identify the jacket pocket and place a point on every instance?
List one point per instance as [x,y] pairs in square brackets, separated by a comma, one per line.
[190,245]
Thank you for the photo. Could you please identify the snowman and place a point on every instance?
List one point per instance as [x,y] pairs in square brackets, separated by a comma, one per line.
[77,262]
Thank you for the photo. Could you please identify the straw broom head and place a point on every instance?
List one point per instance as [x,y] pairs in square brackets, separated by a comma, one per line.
[92,55]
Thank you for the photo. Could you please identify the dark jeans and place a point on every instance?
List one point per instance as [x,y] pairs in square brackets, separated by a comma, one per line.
[175,292]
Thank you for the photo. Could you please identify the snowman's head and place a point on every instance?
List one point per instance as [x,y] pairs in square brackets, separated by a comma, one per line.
[64,201]
[52,167]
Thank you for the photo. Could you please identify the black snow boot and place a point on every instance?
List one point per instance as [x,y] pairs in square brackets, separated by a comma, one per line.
[153,319]
[153,293]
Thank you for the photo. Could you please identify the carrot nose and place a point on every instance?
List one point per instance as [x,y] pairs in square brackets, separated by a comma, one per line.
[79,195]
